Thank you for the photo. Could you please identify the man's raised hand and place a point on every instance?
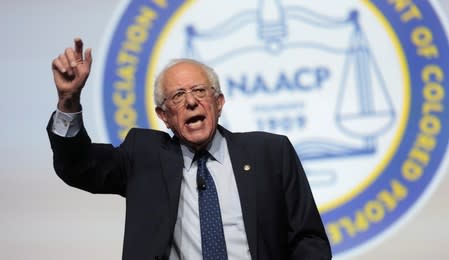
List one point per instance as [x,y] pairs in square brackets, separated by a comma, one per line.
[70,72]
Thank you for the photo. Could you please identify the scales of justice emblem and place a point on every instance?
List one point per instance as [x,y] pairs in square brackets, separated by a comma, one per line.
[313,77]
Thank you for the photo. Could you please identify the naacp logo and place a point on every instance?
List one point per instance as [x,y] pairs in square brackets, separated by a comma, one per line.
[359,87]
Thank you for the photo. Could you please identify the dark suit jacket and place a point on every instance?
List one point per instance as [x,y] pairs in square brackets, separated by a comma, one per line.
[280,216]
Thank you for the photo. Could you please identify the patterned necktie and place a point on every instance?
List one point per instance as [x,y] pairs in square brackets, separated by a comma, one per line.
[213,243]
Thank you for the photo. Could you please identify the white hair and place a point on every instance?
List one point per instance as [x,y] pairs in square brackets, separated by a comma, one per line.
[159,88]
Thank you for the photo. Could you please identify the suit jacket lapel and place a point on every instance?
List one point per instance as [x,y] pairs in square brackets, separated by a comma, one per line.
[245,177]
[244,171]
[172,165]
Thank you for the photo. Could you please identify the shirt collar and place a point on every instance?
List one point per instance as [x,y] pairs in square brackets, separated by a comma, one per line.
[216,148]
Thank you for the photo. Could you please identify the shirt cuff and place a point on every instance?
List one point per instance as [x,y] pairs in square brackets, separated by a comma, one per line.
[66,124]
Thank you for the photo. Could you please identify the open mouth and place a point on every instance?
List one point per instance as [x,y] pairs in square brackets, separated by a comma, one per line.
[195,120]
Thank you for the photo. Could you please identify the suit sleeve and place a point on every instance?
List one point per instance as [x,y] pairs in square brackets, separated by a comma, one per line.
[96,168]
[306,237]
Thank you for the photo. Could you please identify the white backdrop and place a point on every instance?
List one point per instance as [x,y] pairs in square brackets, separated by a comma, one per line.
[41,217]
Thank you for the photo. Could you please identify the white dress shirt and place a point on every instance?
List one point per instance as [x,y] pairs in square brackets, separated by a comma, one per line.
[187,233]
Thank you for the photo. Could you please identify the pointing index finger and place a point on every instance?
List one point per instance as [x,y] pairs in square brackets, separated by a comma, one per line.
[78,49]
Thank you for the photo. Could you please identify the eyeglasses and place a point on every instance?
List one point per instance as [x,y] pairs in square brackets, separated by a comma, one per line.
[199,92]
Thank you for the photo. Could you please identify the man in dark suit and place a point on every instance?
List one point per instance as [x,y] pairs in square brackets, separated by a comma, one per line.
[204,193]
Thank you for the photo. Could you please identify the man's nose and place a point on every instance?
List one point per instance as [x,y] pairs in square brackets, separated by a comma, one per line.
[190,99]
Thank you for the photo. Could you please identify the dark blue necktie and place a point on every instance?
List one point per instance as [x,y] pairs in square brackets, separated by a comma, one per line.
[213,244]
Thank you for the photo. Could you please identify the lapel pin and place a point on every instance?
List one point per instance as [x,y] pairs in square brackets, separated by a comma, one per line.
[246,167]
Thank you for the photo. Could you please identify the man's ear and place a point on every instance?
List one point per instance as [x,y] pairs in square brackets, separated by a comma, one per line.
[162,115]
[220,103]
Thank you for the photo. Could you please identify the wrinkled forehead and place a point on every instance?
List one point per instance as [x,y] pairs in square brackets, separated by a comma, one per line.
[184,75]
